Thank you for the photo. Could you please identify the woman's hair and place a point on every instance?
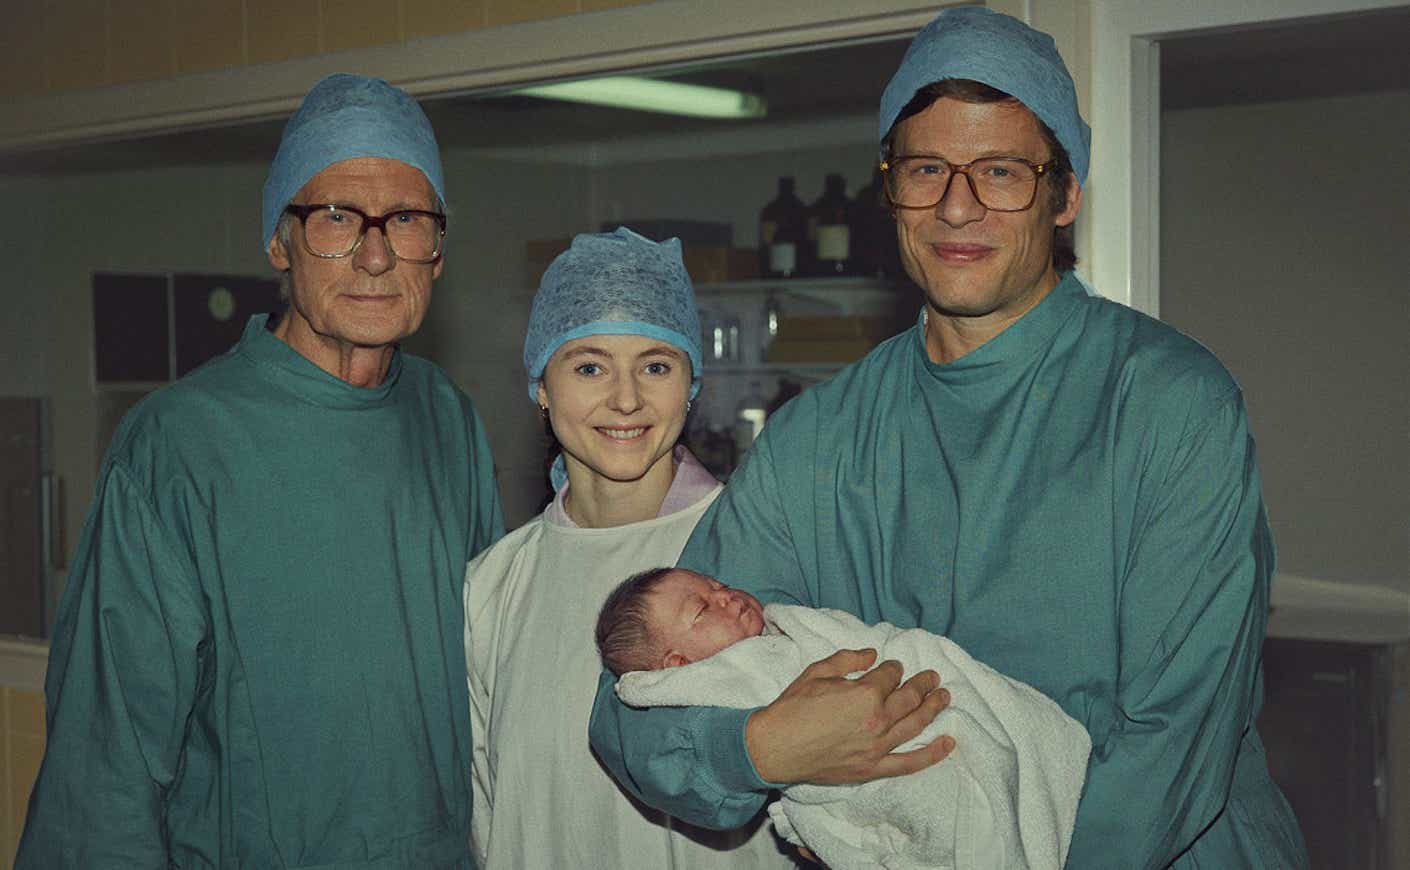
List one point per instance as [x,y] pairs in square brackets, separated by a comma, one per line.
[624,636]
[617,283]
[966,91]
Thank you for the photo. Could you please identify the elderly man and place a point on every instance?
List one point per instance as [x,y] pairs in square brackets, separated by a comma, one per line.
[258,661]
[1061,485]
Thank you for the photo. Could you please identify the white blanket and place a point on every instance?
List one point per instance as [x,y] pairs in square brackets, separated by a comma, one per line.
[1005,799]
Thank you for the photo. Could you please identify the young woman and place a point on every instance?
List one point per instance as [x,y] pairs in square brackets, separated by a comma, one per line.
[613,359]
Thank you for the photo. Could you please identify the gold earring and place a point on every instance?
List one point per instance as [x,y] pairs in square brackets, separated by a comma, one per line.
[543,409]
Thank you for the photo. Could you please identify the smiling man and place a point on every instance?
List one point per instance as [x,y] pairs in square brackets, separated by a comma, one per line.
[1063,486]
[258,660]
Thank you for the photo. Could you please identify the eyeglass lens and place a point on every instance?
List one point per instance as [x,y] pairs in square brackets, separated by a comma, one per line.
[412,235]
[999,183]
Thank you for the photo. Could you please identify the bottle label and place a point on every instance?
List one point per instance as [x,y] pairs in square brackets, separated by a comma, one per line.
[834,242]
[767,231]
[783,258]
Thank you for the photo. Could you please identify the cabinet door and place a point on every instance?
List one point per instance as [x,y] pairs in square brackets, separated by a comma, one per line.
[211,310]
[21,550]
[131,328]
[1321,723]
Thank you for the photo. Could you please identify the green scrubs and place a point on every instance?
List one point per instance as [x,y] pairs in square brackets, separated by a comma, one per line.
[1076,504]
[259,658]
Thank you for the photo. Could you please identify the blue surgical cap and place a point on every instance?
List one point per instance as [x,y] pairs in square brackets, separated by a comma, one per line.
[343,117]
[616,283]
[979,44]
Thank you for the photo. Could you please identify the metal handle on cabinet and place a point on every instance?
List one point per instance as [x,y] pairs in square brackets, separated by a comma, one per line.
[1380,784]
[50,521]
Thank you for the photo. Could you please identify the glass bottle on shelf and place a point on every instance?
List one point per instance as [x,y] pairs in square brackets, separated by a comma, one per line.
[830,228]
[783,226]
[874,247]
[728,338]
[768,324]
[749,416]
[719,331]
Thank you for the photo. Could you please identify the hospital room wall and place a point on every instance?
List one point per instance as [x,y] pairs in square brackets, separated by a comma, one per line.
[150,221]
[1283,250]
[168,219]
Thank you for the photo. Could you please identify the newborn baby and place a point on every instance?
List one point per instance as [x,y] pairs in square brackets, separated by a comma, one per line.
[675,637]
[668,617]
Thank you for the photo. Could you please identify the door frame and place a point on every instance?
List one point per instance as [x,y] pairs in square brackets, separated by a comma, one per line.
[1122,199]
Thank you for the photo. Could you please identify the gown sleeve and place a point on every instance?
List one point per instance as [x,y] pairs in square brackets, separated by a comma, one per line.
[125,668]
[1193,613]
[487,514]
[482,782]
[691,762]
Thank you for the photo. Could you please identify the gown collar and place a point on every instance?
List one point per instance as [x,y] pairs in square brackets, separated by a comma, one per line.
[693,481]
[1027,337]
[300,376]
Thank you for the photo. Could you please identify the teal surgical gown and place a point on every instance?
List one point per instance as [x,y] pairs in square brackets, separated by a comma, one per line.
[259,658]
[1076,503]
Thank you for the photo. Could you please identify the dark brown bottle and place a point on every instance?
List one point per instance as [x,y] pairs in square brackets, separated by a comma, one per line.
[874,249]
[830,230]
[782,233]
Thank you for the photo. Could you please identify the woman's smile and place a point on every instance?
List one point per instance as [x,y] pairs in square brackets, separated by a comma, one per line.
[622,434]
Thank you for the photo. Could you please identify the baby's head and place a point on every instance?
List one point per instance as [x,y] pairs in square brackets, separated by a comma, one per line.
[667,617]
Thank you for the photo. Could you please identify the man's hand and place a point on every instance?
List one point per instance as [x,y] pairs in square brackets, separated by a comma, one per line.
[829,730]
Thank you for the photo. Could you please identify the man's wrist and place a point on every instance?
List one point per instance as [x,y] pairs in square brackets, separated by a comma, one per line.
[723,742]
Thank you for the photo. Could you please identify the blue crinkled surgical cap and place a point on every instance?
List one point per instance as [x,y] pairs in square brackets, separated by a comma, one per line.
[971,42]
[346,116]
[616,283]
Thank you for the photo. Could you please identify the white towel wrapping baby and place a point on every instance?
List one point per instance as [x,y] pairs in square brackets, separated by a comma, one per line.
[1005,798]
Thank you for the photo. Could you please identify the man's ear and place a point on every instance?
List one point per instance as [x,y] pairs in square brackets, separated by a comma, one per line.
[1074,202]
[674,659]
[278,254]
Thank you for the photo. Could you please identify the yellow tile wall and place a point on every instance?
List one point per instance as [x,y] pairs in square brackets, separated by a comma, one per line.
[50,46]
[21,748]
[273,34]
[143,42]
[209,35]
[435,17]
[22,49]
[75,38]
[349,24]
[515,11]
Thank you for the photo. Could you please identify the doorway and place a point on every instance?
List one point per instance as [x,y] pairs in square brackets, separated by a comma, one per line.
[1282,213]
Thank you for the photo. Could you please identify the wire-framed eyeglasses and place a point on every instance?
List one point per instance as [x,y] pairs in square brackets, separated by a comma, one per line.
[998,183]
[332,231]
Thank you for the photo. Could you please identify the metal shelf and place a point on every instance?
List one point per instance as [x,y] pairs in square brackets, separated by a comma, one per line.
[844,295]
[815,371]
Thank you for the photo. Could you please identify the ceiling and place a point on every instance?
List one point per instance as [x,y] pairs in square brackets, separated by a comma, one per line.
[1322,57]
[845,79]
[1313,58]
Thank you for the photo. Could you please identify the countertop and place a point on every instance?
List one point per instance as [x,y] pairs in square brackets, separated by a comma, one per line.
[1310,609]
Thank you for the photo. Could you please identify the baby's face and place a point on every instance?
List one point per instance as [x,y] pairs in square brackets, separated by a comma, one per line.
[696,616]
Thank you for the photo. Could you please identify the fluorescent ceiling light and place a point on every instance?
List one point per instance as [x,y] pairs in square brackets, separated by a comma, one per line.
[655,95]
